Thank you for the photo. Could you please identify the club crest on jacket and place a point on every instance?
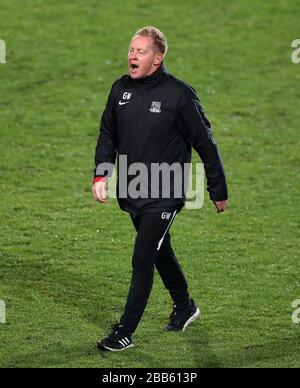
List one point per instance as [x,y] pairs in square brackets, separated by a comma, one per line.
[155,107]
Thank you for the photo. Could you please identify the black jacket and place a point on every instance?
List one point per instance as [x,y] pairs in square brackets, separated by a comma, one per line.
[157,119]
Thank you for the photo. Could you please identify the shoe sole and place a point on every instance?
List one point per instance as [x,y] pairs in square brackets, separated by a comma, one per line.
[114,350]
[193,318]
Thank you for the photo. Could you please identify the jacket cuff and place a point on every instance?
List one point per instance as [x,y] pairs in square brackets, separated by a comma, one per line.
[218,198]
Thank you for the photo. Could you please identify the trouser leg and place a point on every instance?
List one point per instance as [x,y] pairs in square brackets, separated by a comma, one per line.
[151,231]
[172,275]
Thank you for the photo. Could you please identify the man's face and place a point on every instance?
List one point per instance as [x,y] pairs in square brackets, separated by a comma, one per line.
[143,58]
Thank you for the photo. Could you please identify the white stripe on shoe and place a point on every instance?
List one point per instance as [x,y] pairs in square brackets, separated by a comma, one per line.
[123,342]
[162,239]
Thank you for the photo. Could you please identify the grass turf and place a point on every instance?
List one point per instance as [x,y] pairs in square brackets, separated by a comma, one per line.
[65,260]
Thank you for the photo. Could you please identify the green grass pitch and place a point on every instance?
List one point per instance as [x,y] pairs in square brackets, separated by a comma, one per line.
[65,261]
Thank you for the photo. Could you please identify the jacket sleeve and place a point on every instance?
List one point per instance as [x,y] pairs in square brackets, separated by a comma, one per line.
[197,131]
[107,141]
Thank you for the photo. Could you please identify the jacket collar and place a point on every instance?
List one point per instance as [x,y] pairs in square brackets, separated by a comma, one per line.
[151,80]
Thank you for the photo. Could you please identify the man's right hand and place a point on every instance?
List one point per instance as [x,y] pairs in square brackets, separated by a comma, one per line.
[99,191]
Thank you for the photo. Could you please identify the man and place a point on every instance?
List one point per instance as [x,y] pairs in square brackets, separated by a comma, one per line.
[152,118]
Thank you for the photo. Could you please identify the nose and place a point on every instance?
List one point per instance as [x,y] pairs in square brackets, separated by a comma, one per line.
[132,55]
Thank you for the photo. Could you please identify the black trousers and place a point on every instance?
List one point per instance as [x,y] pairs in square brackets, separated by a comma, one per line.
[153,248]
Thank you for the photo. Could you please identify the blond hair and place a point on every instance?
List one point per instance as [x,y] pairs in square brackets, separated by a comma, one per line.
[158,37]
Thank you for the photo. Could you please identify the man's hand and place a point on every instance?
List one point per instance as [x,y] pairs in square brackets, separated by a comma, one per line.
[221,205]
[100,192]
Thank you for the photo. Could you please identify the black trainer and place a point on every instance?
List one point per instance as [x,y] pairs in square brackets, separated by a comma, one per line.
[116,341]
[180,319]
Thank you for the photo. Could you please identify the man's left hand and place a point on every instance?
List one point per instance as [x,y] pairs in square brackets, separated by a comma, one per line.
[221,205]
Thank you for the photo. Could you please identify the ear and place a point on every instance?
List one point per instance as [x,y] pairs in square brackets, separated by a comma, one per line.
[159,57]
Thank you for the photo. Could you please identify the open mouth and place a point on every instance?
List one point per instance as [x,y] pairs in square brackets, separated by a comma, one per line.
[134,66]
